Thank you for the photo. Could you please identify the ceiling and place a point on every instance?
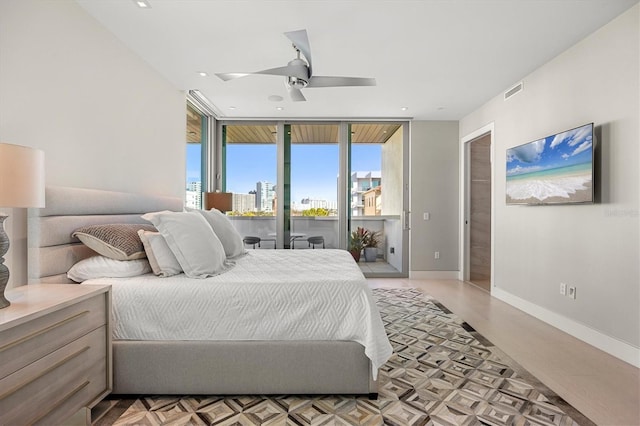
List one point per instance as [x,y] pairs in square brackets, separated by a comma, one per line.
[265,132]
[311,133]
[439,59]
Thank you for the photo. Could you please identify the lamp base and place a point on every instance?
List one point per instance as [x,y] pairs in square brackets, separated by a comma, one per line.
[4,278]
[4,271]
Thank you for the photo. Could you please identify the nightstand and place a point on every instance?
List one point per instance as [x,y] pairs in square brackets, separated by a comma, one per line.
[55,352]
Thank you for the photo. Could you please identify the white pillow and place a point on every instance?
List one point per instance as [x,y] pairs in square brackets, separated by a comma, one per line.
[104,267]
[192,241]
[229,237]
[161,258]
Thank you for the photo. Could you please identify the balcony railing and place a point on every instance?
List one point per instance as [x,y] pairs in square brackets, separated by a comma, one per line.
[389,227]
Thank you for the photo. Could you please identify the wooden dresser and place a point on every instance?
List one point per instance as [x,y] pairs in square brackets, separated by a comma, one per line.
[55,352]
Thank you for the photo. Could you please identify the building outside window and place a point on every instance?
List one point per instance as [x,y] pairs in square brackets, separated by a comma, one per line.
[265,194]
[361,183]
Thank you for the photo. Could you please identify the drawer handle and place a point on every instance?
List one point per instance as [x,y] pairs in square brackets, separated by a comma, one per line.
[43,331]
[44,372]
[63,400]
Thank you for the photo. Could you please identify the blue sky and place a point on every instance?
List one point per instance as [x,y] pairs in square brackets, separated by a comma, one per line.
[314,168]
[564,149]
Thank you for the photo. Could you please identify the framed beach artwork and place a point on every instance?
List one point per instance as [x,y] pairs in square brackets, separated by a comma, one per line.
[555,170]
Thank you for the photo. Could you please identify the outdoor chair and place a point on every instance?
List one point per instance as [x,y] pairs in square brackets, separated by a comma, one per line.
[317,240]
[252,241]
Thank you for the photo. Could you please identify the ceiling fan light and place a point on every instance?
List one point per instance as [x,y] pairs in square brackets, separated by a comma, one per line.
[297,83]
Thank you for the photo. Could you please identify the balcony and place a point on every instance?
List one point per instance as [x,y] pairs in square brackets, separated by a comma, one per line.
[390,229]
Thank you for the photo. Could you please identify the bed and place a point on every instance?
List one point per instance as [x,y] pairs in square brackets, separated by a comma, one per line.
[310,350]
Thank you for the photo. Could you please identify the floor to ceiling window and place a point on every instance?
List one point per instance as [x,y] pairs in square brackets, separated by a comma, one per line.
[376,193]
[314,184]
[249,173]
[297,182]
[196,139]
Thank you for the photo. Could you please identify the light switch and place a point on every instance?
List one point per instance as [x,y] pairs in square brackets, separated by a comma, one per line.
[427,216]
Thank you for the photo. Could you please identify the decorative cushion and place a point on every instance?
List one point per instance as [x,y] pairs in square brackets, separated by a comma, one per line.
[117,241]
[161,258]
[192,241]
[229,237]
[104,267]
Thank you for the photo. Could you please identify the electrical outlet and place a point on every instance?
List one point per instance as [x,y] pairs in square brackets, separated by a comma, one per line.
[572,292]
[426,216]
[392,250]
[436,255]
[563,289]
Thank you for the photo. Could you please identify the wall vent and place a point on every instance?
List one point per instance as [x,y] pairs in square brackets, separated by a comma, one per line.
[515,89]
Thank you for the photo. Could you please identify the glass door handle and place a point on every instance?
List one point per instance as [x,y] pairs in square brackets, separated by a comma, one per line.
[406,220]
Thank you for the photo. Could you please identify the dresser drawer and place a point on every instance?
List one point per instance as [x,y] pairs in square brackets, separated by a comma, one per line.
[60,383]
[28,342]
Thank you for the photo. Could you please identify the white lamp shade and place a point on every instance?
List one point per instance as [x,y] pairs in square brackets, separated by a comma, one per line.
[21,176]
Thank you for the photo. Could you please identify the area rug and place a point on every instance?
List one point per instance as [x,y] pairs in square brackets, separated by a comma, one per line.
[442,372]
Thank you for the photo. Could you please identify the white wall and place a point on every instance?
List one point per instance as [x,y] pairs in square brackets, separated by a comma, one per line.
[434,189]
[593,247]
[102,116]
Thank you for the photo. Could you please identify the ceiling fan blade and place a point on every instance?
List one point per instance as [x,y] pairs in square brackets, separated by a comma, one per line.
[332,81]
[301,41]
[226,76]
[294,70]
[296,95]
[299,71]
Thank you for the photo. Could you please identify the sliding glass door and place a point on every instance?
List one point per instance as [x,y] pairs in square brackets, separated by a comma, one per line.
[377,195]
[249,172]
[314,183]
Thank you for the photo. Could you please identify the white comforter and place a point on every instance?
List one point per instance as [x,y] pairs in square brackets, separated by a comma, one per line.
[268,295]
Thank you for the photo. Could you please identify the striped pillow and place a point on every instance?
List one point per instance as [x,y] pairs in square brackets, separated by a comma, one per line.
[119,241]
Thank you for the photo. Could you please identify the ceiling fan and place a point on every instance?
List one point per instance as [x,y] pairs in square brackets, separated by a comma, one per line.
[298,71]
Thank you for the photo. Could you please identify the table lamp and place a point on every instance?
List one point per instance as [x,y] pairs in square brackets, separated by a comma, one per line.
[21,186]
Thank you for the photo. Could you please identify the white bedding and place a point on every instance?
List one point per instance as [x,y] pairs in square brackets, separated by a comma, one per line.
[268,295]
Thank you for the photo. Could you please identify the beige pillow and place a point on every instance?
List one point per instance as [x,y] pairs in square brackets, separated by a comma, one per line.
[192,241]
[162,261]
[229,237]
[119,241]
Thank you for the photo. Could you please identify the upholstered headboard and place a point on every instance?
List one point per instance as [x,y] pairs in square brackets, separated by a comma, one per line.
[52,250]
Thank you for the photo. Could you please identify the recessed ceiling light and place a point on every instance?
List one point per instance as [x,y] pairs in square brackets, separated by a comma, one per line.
[440,108]
[143,4]
[202,74]
[404,108]
[275,98]
[279,108]
[232,107]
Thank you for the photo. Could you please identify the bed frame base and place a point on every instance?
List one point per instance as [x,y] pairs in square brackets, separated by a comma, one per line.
[241,368]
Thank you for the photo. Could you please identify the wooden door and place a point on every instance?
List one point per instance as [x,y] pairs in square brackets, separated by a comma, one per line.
[480,213]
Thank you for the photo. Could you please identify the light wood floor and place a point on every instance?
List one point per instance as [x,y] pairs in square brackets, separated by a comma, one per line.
[602,387]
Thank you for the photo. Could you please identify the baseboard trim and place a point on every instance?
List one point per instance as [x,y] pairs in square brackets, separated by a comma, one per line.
[608,344]
[433,275]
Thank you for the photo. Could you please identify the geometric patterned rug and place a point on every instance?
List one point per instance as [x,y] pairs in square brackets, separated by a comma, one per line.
[442,372]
